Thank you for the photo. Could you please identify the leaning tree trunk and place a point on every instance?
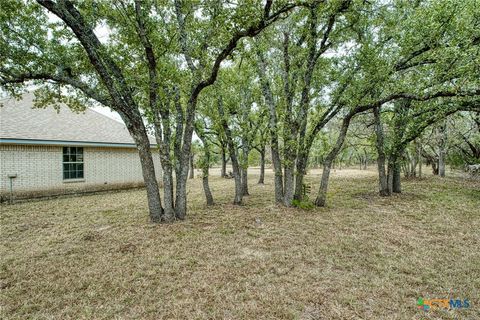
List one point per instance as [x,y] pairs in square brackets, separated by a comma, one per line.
[205,174]
[205,164]
[322,191]
[261,179]
[148,171]
[206,188]
[383,182]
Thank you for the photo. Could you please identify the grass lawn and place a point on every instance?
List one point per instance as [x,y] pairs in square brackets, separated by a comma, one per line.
[362,257]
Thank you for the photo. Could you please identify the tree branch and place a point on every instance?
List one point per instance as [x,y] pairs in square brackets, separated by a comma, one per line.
[59,78]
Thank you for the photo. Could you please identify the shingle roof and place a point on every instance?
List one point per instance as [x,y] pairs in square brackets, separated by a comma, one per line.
[19,121]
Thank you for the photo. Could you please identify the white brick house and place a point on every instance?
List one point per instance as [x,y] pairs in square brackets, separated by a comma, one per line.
[45,152]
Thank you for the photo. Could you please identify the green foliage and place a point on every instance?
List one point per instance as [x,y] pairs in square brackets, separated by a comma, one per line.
[304,204]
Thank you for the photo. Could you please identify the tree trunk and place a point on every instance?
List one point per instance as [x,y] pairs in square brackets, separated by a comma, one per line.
[380,145]
[244,168]
[233,154]
[148,171]
[272,127]
[419,158]
[322,191]
[205,164]
[205,174]
[169,205]
[245,181]
[289,181]
[365,163]
[277,167]
[390,176]
[261,180]
[163,143]
[441,149]
[321,199]
[206,188]
[192,168]
[394,175]
[302,161]
[236,176]
[184,155]
[397,185]
[223,172]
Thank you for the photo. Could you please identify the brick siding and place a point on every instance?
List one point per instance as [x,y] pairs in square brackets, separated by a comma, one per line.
[39,168]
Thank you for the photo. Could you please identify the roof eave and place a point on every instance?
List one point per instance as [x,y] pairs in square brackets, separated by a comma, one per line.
[68,143]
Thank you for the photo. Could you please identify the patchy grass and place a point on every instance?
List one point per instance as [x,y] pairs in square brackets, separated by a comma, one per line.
[362,257]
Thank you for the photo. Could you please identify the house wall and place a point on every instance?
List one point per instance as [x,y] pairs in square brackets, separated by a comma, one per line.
[39,169]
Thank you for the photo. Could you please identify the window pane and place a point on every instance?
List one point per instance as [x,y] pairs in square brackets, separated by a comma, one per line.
[73,163]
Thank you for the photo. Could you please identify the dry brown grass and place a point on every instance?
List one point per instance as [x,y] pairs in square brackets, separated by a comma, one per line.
[362,257]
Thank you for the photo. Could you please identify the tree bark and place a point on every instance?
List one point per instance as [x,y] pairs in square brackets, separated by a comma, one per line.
[233,155]
[183,163]
[223,172]
[289,181]
[163,143]
[419,157]
[245,181]
[302,160]
[394,174]
[322,191]
[205,164]
[261,179]
[365,162]
[192,168]
[441,149]
[397,183]
[148,171]
[206,188]
[244,167]
[380,145]
[272,127]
